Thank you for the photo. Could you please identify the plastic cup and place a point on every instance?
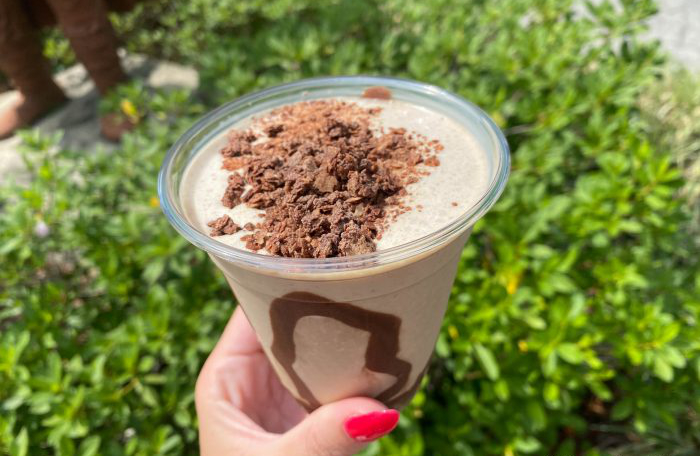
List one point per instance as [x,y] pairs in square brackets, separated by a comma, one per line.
[363,325]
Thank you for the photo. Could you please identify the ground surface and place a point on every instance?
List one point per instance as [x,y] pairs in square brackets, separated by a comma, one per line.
[677,26]
[78,118]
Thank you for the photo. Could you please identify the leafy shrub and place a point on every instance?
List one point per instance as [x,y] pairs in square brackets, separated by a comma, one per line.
[573,324]
[96,306]
[672,111]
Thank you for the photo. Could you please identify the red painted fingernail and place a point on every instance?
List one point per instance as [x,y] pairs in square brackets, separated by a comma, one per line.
[371,426]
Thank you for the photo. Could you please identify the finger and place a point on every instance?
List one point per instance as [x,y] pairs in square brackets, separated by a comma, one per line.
[224,428]
[237,343]
[341,428]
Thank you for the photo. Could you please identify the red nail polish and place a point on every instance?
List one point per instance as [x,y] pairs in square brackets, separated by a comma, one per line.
[371,426]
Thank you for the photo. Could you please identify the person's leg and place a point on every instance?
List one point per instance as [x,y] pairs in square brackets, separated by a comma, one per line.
[21,59]
[85,24]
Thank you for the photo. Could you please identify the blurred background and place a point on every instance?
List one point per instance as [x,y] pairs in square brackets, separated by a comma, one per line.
[573,325]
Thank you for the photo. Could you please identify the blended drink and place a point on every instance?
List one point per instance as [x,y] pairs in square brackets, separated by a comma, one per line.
[337,209]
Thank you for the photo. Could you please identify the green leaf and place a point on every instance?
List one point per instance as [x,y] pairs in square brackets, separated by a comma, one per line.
[640,425]
[20,444]
[550,364]
[578,304]
[635,355]
[153,271]
[182,418]
[170,443]
[536,415]
[442,347]
[674,357]
[12,244]
[601,390]
[561,283]
[551,393]
[90,446]
[570,353]
[527,444]
[148,395]
[487,361]
[662,369]
[622,409]
[542,251]
[13,402]
[535,322]
[500,387]
[97,368]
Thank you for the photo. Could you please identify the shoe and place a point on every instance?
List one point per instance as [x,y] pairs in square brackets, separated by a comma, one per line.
[23,111]
[113,126]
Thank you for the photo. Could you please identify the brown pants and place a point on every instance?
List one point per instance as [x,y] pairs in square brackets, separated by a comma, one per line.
[84,23]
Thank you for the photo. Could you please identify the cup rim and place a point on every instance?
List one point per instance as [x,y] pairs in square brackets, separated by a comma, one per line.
[390,255]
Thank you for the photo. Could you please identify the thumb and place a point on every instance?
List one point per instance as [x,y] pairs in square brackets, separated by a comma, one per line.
[339,429]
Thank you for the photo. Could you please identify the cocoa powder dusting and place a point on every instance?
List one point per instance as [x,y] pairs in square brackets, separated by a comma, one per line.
[327,182]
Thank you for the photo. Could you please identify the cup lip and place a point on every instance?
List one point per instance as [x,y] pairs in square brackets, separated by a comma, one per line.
[335,264]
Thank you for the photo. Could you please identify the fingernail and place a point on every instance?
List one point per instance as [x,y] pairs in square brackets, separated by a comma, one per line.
[371,426]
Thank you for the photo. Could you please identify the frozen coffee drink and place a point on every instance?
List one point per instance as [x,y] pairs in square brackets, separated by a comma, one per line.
[337,209]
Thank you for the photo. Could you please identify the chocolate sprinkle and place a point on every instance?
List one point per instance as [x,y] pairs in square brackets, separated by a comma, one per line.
[223,225]
[381,93]
[234,190]
[327,182]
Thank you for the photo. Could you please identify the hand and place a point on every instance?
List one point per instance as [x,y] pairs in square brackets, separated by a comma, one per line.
[243,409]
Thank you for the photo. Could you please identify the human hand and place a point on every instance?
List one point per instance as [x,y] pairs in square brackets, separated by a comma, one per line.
[243,409]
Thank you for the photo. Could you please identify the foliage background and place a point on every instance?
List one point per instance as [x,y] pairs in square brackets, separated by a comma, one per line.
[573,324]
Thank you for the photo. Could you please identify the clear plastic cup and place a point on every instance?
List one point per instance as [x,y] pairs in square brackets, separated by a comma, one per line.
[363,325]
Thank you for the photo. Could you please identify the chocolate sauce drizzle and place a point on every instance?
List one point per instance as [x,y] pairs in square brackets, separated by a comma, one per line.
[382,351]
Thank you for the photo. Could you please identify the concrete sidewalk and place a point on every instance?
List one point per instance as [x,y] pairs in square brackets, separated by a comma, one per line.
[677,26]
[78,119]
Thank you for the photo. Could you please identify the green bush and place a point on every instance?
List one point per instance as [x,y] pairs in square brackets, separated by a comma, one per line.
[672,111]
[573,324]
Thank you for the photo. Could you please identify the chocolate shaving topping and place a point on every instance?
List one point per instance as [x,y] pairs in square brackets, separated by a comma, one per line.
[234,190]
[432,161]
[328,183]
[274,130]
[239,144]
[223,225]
[378,92]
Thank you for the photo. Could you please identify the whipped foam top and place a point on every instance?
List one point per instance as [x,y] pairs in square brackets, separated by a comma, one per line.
[446,193]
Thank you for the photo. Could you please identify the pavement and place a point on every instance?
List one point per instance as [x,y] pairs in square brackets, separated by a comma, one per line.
[78,119]
[676,26]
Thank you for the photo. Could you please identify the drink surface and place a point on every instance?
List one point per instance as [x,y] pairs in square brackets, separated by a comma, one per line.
[436,199]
